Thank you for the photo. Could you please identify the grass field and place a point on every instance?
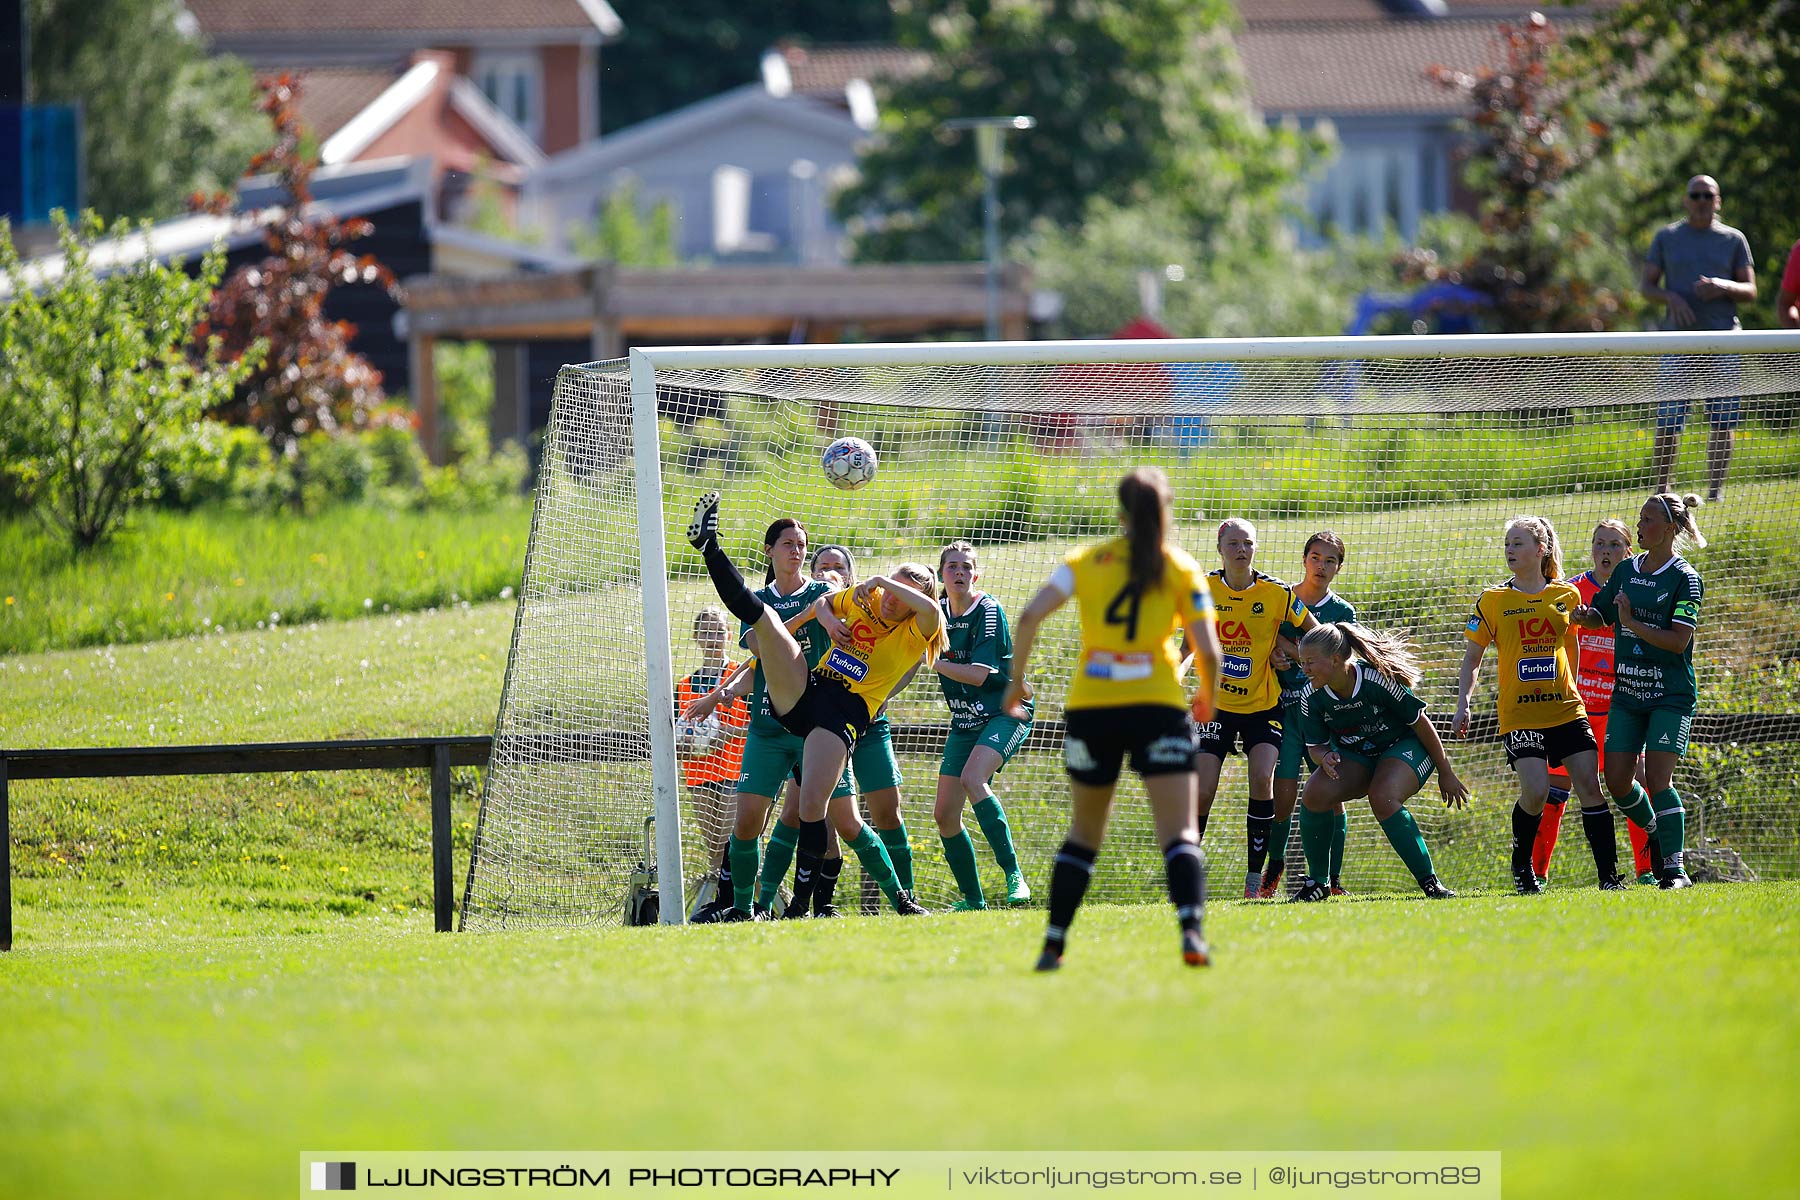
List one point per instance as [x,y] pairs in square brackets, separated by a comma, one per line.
[1640,1044]
[171,574]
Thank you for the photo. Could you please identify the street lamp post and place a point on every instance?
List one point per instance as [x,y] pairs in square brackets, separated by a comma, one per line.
[990,156]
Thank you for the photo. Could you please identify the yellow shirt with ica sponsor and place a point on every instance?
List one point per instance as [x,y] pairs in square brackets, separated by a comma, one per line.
[1249,621]
[1537,683]
[1127,656]
[883,650]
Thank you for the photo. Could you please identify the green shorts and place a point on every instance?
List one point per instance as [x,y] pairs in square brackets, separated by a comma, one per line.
[1653,730]
[873,761]
[1294,761]
[1004,735]
[770,758]
[1409,750]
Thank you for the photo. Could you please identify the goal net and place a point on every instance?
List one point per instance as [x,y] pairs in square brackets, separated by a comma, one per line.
[1416,451]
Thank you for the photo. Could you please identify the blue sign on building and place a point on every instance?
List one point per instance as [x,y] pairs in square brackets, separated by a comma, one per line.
[40,161]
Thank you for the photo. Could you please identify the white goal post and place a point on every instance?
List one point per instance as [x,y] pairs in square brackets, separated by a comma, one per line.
[1416,448]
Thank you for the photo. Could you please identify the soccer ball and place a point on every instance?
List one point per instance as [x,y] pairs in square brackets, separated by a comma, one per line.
[697,739]
[849,463]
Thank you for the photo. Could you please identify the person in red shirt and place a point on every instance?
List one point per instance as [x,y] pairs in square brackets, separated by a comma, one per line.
[1591,650]
[712,752]
[1787,299]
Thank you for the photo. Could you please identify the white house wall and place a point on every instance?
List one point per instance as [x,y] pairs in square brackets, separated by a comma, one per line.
[786,202]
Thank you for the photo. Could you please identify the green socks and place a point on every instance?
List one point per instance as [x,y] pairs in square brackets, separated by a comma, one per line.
[1636,806]
[1340,829]
[1315,840]
[874,859]
[959,852]
[1404,836]
[899,852]
[775,867]
[1278,840]
[1671,824]
[743,870]
[992,819]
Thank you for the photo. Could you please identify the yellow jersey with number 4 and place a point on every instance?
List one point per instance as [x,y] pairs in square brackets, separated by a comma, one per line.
[1127,655]
[1249,620]
[1537,684]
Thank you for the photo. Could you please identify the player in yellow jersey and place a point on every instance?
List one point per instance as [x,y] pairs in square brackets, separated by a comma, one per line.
[1250,608]
[1134,593]
[1542,721]
[893,620]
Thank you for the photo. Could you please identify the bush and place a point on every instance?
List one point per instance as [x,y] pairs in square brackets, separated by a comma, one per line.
[216,463]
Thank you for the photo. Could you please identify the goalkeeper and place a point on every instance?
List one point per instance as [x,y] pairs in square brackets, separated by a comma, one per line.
[710,771]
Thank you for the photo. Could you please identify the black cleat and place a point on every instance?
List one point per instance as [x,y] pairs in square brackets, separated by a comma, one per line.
[1312,893]
[1050,959]
[1673,880]
[735,914]
[1194,950]
[1526,884]
[1434,890]
[906,906]
[705,525]
[827,910]
[796,910]
[712,914]
[761,912]
[1614,883]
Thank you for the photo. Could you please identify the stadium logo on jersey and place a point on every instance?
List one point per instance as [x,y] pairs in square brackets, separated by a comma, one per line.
[1534,670]
[1235,666]
[846,664]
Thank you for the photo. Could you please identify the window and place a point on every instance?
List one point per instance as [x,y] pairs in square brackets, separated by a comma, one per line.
[514,83]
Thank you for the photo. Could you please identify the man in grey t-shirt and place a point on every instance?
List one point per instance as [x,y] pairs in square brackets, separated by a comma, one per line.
[1701,270]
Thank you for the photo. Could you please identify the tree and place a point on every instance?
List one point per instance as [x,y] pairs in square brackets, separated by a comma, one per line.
[1525,144]
[100,375]
[622,234]
[311,379]
[703,47]
[1240,288]
[1134,99]
[161,118]
[1700,87]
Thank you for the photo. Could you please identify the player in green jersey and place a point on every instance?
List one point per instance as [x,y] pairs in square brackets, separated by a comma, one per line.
[1370,736]
[1652,602]
[1323,558]
[974,672]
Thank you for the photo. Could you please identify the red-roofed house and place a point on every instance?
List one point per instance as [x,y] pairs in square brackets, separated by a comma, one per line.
[535,61]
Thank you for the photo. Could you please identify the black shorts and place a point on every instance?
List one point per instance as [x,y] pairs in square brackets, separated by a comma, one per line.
[1220,736]
[1554,744]
[827,704]
[1159,738]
